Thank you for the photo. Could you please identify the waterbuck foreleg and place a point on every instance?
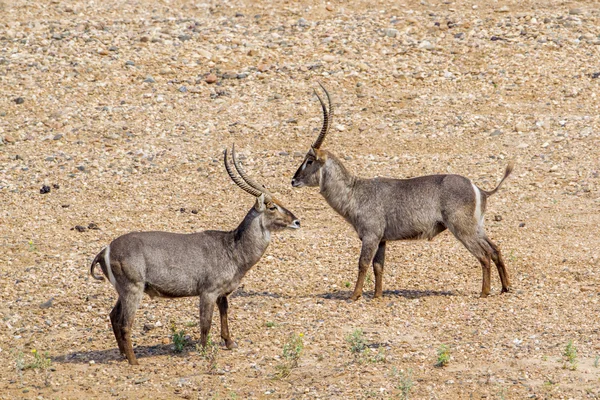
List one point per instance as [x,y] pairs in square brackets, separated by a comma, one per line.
[223,306]
[369,246]
[206,308]
[378,262]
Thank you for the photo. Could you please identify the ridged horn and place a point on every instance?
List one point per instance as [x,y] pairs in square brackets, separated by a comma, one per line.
[246,178]
[327,116]
[241,183]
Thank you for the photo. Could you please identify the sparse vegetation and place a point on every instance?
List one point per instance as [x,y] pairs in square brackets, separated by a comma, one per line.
[209,353]
[443,356]
[404,382]
[596,361]
[292,350]
[357,342]
[570,355]
[270,324]
[347,284]
[40,362]
[178,338]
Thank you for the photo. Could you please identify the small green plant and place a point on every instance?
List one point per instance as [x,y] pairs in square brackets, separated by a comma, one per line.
[32,246]
[378,357]
[443,356]
[596,361]
[270,324]
[178,338]
[40,362]
[347,284]
[369,279]
[191,324]
[19,364]
[570,355]
[405,382]
[291,354]
[209,353]
[357,341]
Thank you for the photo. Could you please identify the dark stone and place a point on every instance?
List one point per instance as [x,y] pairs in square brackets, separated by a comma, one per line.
[45,189]
[56,186]
[497,217]
[94,226]
[19,100]
[522,224]
[47,304]
[79,228]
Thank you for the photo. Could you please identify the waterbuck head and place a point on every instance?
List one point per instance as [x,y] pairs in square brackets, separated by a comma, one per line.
[309,173]
[275,217]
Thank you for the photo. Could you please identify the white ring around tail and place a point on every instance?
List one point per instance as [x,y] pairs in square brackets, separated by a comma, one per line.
[111,277]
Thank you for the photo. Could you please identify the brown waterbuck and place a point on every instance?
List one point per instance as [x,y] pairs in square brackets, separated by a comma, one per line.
[383,209]
[207,264]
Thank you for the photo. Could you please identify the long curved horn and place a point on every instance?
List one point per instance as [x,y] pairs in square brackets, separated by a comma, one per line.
[327,116]
[246,178]
[242,184]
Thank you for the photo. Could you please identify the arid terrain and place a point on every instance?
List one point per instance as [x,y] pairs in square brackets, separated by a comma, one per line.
[120,111]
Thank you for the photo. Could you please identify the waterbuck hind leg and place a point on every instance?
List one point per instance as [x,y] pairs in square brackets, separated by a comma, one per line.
[499,261]
[378,263]
[366,258]
[206,308]
[130,300]
[223,304]
[486,268]
[116,320]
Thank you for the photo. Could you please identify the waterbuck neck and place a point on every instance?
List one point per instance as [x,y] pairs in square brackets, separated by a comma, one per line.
[251,239]
[336,185]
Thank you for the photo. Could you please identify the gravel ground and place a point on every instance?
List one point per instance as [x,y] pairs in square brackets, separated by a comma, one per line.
[114,116]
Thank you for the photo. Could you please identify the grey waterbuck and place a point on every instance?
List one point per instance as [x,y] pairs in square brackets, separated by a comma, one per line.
[383,209]
[207,264]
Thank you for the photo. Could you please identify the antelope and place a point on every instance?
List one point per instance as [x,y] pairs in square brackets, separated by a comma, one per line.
[385,209]
[208,264]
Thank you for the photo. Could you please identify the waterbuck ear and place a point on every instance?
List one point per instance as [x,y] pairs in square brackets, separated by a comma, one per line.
[260,203]
[320,155]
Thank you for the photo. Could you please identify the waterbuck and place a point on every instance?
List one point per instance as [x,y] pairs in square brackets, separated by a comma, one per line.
[207,264]
[383,209]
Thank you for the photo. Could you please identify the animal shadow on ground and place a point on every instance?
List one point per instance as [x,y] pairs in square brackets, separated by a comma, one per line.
[406,293]
[251,293]
[108,355]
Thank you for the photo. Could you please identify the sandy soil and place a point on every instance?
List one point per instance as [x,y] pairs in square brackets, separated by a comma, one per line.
[107,103]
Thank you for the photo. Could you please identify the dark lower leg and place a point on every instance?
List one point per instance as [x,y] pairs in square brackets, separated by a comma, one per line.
[485,266]
[116,321]
[128,344]
[378,263]
[499,261]
[223,306]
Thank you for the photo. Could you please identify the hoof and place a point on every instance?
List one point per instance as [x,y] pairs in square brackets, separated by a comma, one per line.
[229,345]
[506,290]
[483,295]
[355,297]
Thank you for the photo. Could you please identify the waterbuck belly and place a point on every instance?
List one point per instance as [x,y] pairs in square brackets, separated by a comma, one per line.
[423,232]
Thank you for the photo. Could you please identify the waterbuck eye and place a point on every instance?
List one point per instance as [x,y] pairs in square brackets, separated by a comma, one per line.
[308,162]
[272,207]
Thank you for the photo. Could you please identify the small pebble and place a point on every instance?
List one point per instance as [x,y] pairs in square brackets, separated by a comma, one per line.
[45,189]
[211,78]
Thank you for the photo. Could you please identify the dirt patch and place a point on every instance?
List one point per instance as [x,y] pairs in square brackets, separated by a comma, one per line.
[114,116]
